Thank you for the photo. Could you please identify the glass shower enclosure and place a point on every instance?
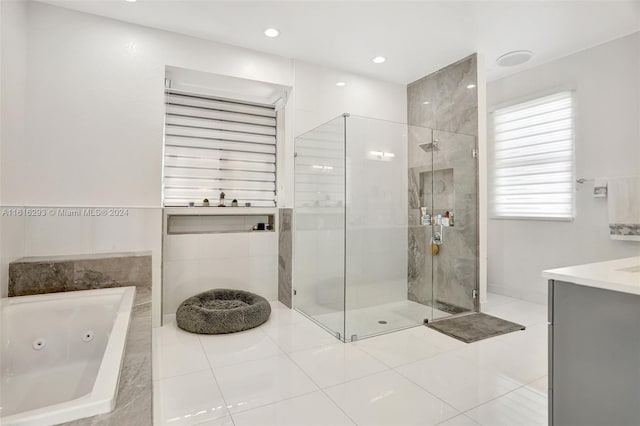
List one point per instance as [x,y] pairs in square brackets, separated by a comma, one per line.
[385,226]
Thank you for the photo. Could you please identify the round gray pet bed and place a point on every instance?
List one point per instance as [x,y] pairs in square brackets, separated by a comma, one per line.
[222,311]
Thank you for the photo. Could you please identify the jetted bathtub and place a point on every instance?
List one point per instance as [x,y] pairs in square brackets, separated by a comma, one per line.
[61,354]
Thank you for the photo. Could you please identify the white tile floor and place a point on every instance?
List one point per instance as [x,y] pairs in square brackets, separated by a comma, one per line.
[291,372]
[363,322]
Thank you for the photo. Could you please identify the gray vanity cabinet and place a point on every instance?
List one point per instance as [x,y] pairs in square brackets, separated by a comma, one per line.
[594,356]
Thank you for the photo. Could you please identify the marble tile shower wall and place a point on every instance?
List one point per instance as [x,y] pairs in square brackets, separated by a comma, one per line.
[285,253]
[443,101]
[452,106]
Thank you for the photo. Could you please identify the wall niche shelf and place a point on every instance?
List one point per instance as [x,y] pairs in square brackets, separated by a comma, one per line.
[218,220]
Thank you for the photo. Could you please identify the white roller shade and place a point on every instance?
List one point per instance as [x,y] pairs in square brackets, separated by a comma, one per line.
[533,170]
[218,145]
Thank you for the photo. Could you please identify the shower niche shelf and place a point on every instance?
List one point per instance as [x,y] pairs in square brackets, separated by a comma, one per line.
[437,190]
[218,220]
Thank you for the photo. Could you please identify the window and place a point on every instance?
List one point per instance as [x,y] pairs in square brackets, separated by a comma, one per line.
[533,174]
[218,145]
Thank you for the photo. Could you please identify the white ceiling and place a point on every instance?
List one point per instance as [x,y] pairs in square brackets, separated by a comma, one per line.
[417,37]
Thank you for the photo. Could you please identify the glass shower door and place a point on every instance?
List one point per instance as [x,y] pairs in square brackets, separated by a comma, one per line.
[319,224]
[420,263]
[443,246]
[453,187]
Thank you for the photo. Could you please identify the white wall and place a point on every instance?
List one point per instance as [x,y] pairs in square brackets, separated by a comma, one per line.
[12,229]
[13,86]
[194,263]
[13,65]
[55,234]
[318,99]
[137,230]
[92,90]
[377,235]
[606,79]
[95,104]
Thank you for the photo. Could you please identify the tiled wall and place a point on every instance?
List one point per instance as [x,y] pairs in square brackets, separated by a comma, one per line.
[443,102]
[452,106]
[194,263]
[285,247]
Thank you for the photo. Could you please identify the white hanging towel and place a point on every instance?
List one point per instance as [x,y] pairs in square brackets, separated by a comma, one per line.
[624,208]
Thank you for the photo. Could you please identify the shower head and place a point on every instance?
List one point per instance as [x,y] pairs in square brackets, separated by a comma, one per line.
[429,146]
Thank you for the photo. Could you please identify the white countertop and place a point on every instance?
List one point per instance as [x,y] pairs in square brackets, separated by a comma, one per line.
[621,275]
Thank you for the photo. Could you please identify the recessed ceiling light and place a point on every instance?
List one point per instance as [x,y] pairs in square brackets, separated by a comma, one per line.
[471,86]
[341,84]
[130,1]
[426,103]
[379,59]
[271,32]
[512,59]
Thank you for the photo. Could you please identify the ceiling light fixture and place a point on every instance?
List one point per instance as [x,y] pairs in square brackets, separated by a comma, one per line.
[271,32]
[382,154]
[471,86]
[515,58]
[341,84]
[379,59]
[426,103]
[130,1]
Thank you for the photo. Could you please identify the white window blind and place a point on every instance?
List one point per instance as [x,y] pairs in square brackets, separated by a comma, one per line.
[533,172]
[218,145]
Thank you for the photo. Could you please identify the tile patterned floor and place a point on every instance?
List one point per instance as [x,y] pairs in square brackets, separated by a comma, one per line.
[364,322]
[291,372]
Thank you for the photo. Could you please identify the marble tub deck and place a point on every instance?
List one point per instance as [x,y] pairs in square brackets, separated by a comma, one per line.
[50,274]
[135,390]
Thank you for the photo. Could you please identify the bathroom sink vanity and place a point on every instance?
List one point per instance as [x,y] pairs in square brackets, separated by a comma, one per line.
[594,344]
